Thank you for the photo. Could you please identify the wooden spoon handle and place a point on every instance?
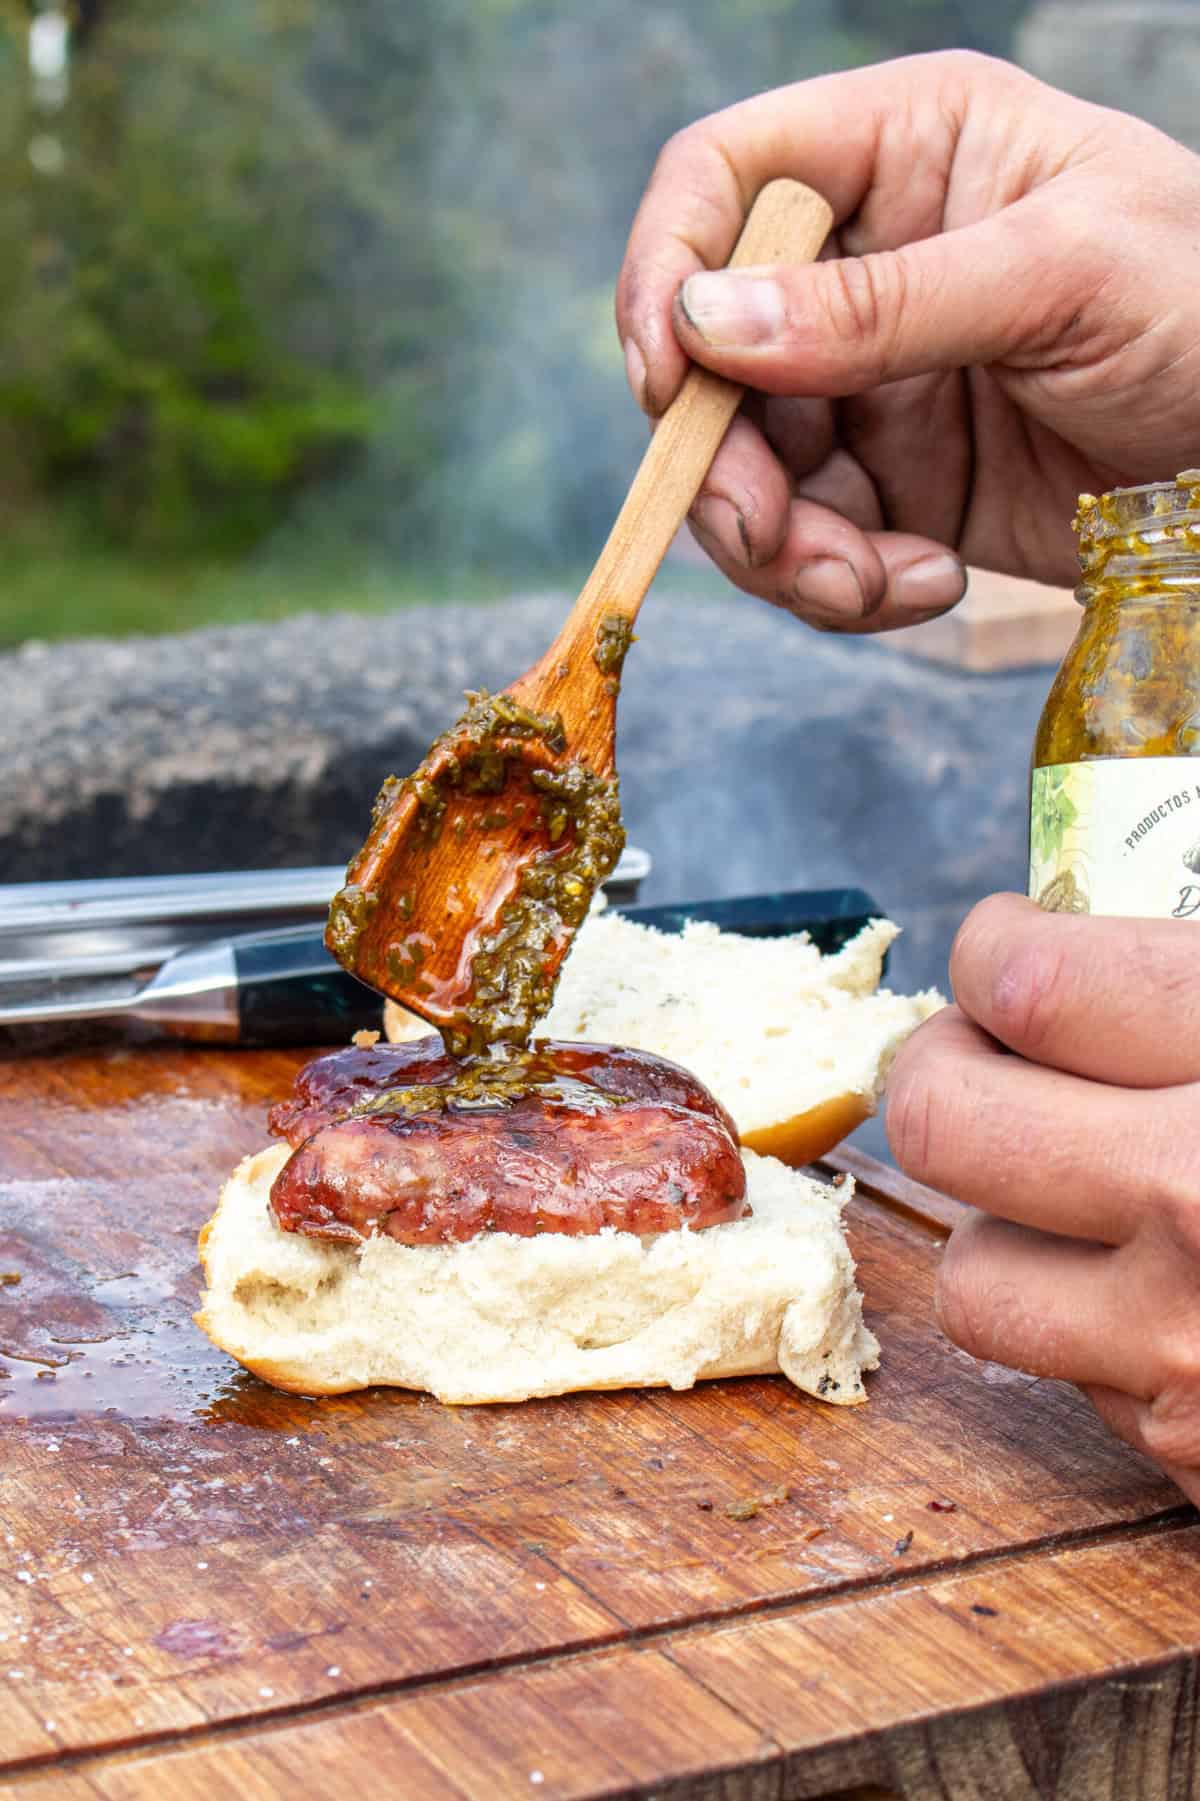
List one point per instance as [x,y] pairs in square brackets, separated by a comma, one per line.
[788,223]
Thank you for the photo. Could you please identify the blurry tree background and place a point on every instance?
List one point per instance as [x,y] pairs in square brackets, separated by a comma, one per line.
[311,299]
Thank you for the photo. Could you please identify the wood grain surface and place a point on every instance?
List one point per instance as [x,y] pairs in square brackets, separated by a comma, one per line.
[209,1588]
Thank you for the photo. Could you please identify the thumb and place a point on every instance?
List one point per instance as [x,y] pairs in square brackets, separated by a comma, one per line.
[850,323]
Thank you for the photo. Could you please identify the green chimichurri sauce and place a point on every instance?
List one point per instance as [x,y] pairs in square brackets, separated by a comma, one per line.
[580,811]
[510,989]
[614,635]
[349,912]
[496,1079]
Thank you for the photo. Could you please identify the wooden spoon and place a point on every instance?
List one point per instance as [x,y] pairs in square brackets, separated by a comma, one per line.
[479,867]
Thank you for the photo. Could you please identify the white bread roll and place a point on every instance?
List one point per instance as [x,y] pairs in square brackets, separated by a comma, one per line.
[795,1044]
[502,1318]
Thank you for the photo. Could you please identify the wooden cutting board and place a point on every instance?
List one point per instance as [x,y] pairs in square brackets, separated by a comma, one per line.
[210,1589]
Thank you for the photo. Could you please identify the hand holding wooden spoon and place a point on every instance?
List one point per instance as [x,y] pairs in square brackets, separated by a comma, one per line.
[480,867]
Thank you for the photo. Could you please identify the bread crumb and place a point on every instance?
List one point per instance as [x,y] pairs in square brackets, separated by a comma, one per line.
[365,1041]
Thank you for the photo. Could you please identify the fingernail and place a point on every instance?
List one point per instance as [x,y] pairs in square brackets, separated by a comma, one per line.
[929,587]
[718,519]
[733,310]
[828,592]
[635,372]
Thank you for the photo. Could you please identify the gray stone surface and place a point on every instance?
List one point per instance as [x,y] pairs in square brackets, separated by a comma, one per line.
[753,752]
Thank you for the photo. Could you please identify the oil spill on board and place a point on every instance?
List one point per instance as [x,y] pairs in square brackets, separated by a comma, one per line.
[100,1208]
[96,1317]
[78,1339]
[95,1313]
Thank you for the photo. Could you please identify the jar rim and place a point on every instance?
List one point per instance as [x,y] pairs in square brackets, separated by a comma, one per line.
[1145,524]
[1187,478]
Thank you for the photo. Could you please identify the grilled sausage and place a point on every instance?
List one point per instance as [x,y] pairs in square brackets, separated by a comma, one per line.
[604,1137]
[526,1168]
[327,1088]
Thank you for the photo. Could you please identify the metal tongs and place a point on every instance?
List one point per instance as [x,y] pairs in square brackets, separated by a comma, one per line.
[235,957]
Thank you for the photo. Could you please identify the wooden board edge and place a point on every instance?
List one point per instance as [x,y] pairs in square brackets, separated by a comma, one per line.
[890,1188]
[735,1703]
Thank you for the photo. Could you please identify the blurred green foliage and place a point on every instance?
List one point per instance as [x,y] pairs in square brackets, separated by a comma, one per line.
[178,350]
[60,580]
[350,261]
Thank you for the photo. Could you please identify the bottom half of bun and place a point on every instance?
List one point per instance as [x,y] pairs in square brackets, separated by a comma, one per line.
[502,1318]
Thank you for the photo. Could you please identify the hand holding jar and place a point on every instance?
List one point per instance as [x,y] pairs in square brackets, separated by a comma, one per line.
[1083,1150]
[1008,314]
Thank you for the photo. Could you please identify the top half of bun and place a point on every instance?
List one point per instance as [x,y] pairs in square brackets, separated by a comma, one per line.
[796,1045]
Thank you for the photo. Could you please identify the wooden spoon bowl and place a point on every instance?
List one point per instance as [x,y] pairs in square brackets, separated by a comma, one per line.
[481,865]
[478,869]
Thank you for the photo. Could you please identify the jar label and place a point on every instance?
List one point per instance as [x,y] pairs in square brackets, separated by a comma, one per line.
[1117,835]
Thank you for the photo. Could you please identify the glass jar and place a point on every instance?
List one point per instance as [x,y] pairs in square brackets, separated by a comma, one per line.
[1114,799]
